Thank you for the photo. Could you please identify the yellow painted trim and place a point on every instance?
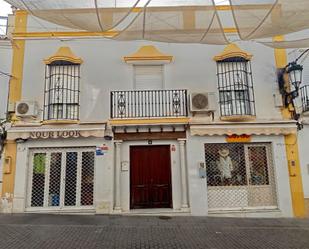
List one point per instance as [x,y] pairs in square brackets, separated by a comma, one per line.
[64,54]
[18,59]
[15,91]
[148,121]
[59,122]
[237,118]
[291,144]
[148,53]
[63,34]
[107,34]
[232,50]
[230,30]
[9,179]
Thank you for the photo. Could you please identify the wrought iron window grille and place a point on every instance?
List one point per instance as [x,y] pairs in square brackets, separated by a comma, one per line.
[235,86]
[62,91]
[149,104]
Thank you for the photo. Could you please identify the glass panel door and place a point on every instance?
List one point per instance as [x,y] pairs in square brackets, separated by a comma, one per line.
[61,178]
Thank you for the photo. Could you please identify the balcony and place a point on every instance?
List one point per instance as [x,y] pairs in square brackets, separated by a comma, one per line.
[148,104]
[305,98]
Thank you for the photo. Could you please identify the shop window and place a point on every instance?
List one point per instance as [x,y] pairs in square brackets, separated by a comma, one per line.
[239,175]
[38,179]
[235,85]
[62,91]
[61,178]
[236,165]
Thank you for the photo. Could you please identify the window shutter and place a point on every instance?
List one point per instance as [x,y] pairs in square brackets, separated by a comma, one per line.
[148,77]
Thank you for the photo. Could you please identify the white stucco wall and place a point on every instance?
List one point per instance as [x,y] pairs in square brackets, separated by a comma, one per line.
[103,70]
[5,66]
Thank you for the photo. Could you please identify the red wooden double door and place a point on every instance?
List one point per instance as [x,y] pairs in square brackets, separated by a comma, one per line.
[150,177]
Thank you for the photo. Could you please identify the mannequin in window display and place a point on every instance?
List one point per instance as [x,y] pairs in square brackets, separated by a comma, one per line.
[225,166]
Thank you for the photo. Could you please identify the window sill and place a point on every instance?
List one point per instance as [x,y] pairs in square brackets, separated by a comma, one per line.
[237,118]
[56,122]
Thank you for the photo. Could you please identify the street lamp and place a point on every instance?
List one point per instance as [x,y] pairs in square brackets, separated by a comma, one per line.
[295,72]
[2,138]
[289,86]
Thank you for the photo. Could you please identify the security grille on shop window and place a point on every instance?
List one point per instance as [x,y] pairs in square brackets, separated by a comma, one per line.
[235,85]
[61,178]
[62,84]
[240,176]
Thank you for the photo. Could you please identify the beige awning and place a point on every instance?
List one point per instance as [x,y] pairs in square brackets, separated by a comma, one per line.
[263,128]
[61,131]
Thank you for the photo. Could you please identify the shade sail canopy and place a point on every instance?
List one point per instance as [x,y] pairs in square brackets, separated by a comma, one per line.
[183,21]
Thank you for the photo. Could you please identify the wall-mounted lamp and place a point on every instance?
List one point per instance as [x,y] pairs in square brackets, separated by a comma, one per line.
[290,89]
[290,79]
[2,138]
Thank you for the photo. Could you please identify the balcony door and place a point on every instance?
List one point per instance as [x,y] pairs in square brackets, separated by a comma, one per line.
[150,177]
[148,77]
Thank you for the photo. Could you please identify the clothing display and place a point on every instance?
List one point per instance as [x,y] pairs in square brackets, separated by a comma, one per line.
[225,164]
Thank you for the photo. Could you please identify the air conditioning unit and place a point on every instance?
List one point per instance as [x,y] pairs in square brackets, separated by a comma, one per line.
[26,109]
[202,102]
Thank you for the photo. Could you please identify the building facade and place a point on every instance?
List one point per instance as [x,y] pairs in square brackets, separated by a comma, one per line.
[105,126]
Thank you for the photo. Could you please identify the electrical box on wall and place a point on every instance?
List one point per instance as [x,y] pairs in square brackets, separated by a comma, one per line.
[202,170]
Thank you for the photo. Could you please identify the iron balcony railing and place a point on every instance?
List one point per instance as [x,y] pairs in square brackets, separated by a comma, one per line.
[305,98]
[149,104]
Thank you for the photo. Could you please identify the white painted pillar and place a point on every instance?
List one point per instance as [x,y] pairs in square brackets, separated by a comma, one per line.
[183,168]
[117,206]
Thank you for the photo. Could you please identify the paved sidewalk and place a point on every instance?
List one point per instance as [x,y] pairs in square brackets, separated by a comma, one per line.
[94,231]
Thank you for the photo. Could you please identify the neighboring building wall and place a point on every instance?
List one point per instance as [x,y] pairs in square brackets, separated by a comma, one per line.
[303,139]
[5,66]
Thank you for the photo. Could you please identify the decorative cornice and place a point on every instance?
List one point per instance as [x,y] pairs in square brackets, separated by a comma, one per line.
[231,51]
[148,53]
[63,54]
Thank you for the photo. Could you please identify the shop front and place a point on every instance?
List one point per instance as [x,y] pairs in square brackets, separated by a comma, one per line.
[62,170]
[240,176]
[246,173]
[60,178]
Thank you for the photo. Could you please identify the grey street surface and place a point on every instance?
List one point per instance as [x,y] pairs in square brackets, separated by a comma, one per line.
[96,231]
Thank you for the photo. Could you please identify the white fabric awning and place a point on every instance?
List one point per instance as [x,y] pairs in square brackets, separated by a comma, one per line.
[47,132]
[183,21]
[222,129]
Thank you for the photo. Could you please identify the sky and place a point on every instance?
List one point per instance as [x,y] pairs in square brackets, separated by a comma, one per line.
[5,8]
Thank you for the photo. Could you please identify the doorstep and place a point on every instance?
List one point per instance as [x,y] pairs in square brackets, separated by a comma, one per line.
[156,211]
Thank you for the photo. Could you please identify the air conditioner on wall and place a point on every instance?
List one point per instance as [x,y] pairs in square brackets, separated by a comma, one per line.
[202,102]
[26,109]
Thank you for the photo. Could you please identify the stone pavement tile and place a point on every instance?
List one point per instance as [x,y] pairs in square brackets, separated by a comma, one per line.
[97,232]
